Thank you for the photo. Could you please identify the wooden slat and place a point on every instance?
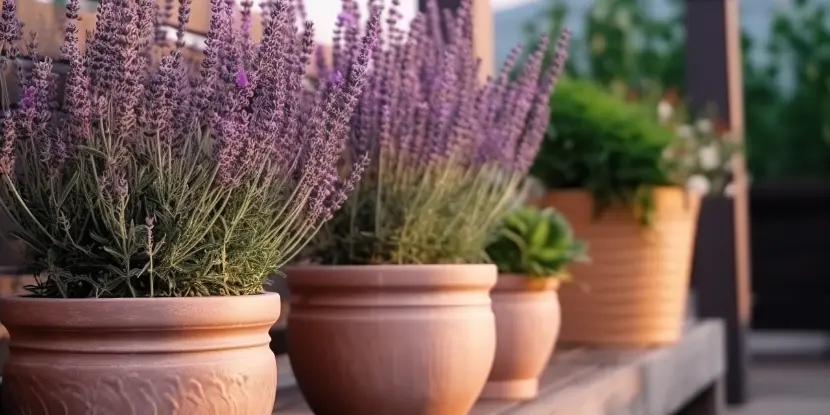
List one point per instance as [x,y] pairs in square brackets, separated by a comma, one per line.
[605,382]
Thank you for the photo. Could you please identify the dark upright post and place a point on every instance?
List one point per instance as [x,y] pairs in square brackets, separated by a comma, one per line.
[721,274]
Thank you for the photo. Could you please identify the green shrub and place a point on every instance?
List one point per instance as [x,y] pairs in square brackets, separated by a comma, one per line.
[604,144]
[538,243]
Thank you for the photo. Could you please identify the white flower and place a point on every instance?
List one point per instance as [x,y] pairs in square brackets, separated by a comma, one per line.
[685,132]
[704,126]
[729,189]
[699,184]
[709,157]
[664,110]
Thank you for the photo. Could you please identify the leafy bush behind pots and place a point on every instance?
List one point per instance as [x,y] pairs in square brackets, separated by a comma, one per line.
[604,144]
[786,96]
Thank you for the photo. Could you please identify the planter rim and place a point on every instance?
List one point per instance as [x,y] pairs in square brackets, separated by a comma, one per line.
[140,313]
[523,282]
[386,266]
[582,190]
[462,276]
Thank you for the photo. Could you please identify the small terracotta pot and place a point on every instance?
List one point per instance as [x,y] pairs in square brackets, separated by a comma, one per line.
[391,339]
[634,290]
[198,355]
[527,326]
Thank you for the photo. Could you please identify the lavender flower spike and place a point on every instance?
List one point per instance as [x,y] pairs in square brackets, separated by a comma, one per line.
[11,29]
[8,145]
[241,77]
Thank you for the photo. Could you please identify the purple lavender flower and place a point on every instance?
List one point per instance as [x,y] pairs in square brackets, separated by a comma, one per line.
[43,87]
[241,77]
[184,17]
[247,22]
[7,147]
[159,106]
[77,85]
[11,29]
[440,111]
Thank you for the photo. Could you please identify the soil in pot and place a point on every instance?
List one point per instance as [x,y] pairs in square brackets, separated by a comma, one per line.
[527,326]
[397,339]
[195,355]
[633,292]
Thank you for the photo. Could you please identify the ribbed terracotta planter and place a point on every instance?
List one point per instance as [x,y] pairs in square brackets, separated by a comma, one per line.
[203,355]
[634,290]
[527,326]
[391,339]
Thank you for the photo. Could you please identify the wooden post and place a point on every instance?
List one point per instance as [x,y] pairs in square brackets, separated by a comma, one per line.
[714,76]
[483,41]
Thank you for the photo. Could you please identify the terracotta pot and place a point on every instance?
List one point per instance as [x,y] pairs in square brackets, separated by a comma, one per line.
[391,339]
[527,325]
[11,283]
[202,355]
[634,290]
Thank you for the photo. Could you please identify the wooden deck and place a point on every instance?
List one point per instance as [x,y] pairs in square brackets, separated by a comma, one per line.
[684,379]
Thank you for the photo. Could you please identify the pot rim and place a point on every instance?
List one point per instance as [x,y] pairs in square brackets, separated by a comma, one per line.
[385,266]
[144,313]
[443,276]
[524,282]
[660,189]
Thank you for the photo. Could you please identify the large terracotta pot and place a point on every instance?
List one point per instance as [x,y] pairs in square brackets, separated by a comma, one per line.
[527,325]
[12,283]
[634,290]
[203,355]
[391,339]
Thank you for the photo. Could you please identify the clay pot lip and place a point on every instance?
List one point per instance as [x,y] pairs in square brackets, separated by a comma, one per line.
[524,282]
[469,276]
[658,189]
[141,313]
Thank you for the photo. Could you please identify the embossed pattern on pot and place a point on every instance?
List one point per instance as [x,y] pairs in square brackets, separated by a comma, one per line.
[178,356]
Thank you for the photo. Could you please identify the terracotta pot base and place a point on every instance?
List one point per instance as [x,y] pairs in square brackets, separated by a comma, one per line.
[519,389]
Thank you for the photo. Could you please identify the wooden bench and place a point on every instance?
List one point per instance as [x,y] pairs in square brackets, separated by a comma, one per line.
[684,379]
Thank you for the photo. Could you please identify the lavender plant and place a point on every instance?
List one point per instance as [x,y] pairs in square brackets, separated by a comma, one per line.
[447,153]
[149,180]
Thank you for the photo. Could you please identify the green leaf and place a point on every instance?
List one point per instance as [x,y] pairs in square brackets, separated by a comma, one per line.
[548,254]
[539,237]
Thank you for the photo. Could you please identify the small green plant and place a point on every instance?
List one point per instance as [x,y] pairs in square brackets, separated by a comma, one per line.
[537,243]
[609,146]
